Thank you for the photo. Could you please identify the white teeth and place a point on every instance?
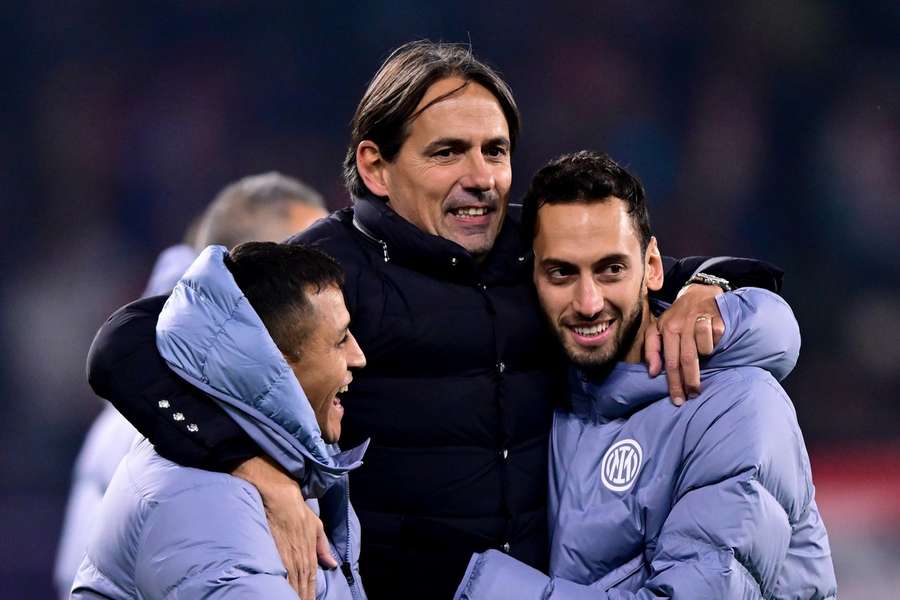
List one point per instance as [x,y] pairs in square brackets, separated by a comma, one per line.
[593,330]
[343,389]
[470,212]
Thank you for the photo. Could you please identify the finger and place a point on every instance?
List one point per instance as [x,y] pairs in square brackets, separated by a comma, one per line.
[311,585]
[307,592]
[703,335]
[293,570]
[690,365]
[718,328]
[671,352]
[323,551]
[652,347]
[308,568]
[286,553]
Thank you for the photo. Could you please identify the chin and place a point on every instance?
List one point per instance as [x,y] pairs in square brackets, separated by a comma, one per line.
[332,435]
[476,247]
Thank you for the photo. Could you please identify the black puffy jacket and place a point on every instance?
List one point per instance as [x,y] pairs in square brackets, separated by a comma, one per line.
[456,397]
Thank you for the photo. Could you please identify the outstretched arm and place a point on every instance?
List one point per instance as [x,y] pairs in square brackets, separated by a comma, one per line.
[693,325]
[125,368]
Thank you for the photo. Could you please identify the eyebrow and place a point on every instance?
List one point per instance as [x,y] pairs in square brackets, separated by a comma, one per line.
[459,143]
[608,259]
[344,330]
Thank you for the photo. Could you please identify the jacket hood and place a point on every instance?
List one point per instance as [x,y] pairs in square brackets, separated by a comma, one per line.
[210,336]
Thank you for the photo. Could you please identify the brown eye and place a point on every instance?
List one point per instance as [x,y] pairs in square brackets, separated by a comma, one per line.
[558,273]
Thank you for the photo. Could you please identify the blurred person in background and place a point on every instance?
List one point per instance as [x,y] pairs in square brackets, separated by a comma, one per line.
[708,502]
[262,330]
[462,373]
[264,207]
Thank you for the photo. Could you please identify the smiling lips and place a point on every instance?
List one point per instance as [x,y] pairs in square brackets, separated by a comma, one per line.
[472,215]
[595,334]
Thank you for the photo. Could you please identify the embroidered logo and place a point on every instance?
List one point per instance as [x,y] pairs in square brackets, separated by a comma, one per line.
[621,465]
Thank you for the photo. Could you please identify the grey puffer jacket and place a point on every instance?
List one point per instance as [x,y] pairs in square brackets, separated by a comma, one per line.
[168,531]
[710,501]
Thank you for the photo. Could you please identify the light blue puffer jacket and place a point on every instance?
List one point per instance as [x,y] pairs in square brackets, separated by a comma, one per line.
[168,531]
[713,500]
[105,444]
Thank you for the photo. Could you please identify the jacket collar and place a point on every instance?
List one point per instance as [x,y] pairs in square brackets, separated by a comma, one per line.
[627,388]
[403,243]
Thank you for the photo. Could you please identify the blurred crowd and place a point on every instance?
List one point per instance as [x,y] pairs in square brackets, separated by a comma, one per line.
[765,129]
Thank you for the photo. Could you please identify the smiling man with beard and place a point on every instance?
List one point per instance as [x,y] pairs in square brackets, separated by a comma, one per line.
[710,501]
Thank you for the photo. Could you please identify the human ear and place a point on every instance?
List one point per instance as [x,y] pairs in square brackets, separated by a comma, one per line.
[371,167]
[653,266]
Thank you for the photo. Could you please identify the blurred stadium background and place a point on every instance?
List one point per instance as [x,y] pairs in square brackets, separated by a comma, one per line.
[768,129]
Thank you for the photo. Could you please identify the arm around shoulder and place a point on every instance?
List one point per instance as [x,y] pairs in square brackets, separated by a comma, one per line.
[760,331]
[124,367]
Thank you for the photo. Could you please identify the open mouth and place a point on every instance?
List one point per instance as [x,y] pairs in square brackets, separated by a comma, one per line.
[336,401]
[593,334]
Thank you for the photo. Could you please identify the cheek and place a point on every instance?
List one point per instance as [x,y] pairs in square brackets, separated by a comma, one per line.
[553,299]
[503,179]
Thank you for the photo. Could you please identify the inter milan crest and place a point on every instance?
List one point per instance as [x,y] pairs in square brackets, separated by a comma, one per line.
[621,465]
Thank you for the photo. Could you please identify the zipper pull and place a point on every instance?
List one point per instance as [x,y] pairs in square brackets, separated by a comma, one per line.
[348,573]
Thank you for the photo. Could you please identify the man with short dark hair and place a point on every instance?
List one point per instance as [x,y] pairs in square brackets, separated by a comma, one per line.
[462,376]
[710,501]
[264,207]
[263,331]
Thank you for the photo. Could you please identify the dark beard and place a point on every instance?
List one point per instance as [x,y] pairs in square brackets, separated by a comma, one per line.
[599,372]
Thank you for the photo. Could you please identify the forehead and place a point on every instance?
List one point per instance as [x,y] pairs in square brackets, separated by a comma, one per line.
[330,314]
[470,112]
[584,232]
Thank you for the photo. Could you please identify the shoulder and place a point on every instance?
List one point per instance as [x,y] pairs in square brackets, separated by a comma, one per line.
[745,422]
[202,523]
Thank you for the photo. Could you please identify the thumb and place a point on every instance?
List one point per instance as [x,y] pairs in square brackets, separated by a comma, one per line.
[323,551]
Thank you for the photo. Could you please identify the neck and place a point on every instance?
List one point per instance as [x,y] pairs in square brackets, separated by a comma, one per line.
[635,353]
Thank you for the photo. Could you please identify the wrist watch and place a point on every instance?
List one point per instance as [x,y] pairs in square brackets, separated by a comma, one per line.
[707,279]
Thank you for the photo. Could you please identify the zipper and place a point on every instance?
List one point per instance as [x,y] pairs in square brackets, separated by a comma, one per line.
[362,229]
[346,567]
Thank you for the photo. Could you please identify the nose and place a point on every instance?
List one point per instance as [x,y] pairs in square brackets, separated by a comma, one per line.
[588,300]
[355,357]
[479,176]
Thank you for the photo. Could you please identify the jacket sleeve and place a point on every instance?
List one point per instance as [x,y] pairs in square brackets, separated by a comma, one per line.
[760,331]
[741,272]
[749,462]
[124,367]
[210,541]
